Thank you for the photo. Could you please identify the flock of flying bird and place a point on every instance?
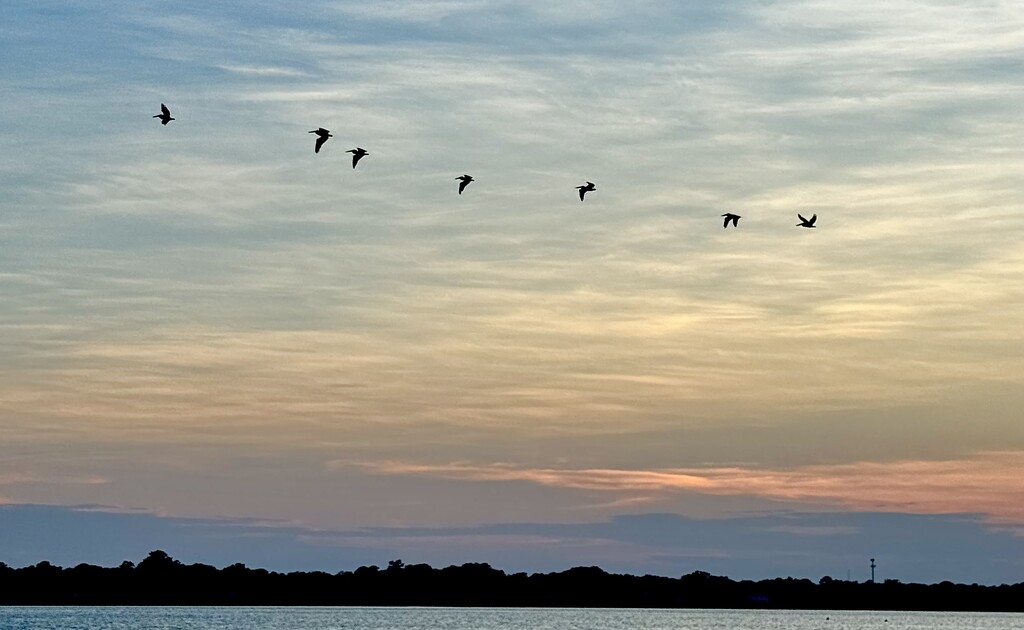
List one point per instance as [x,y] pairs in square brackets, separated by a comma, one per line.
[359,153]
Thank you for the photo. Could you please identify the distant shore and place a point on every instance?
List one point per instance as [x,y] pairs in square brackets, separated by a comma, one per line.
[162,580]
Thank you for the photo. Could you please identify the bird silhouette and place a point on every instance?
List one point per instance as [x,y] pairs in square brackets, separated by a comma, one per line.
[585,189]
[321,137]
[807,223]
[465,179]
[735,218]
[164,115]
[357,154]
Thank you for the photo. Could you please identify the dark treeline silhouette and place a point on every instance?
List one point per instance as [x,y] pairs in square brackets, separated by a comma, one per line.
[162,580]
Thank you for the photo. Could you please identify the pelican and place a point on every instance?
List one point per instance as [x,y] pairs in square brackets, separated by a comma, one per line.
[807,223]
[735,218]
[465,179]
[321,137]
[585,189]
[357,154]
[164,115]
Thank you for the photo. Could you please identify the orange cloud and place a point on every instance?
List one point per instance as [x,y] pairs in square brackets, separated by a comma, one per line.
[986,483]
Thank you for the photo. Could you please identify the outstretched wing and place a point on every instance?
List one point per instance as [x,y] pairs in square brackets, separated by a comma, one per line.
[725,223]
[164,110]
[814,217]
[583,191]
[355,159]
[462,185]
[801,217]
[320,140]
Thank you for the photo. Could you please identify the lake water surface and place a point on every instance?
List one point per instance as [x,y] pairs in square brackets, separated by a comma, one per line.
[214,618]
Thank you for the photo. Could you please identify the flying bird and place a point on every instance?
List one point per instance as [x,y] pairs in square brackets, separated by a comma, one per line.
[465,179]
[357,154]
[735,218]
[164,115]
[585,189]
[321,137]
[807,223]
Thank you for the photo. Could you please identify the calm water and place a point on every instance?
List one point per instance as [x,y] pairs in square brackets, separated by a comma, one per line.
[185,618]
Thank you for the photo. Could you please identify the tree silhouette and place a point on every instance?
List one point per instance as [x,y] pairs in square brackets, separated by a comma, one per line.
[159,579]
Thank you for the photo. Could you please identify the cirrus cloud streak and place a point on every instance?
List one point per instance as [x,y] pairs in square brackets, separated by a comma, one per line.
[986,483]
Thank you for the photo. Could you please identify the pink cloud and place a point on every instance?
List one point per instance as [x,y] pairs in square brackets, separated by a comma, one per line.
[988,483]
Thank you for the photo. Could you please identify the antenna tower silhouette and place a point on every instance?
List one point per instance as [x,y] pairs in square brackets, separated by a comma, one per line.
[872,570]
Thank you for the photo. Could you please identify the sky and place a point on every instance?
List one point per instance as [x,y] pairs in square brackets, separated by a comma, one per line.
[218,343]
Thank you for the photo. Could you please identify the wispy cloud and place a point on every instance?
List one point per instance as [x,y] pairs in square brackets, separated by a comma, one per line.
[21,478]
[265,71]
[216,282]
[986,483]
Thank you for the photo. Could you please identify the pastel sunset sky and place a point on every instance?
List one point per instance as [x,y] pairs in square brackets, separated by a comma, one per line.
[215,342]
